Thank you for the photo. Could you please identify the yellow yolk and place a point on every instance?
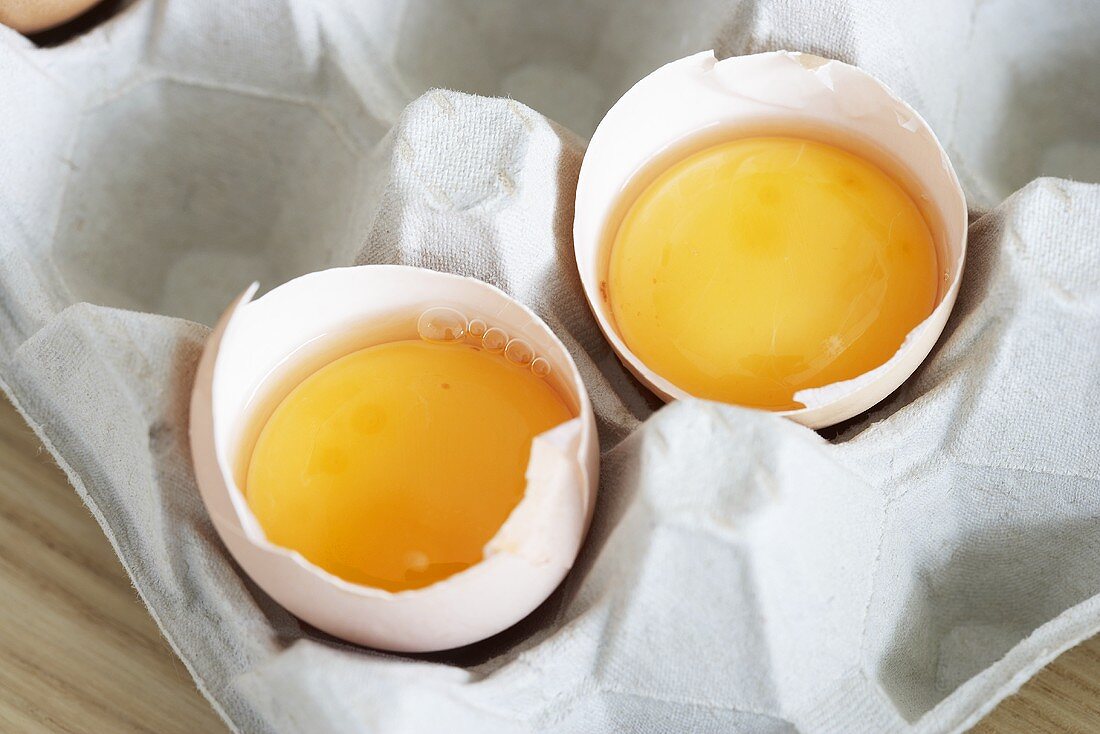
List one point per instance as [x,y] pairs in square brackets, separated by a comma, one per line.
[394,466]
[763,266]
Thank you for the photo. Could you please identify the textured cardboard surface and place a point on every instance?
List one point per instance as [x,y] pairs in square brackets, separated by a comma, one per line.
[741,571]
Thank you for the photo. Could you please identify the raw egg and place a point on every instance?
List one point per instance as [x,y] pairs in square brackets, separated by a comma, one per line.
[402,458]
[777,231]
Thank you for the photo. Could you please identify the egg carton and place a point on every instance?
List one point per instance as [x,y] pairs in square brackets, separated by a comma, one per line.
[742,572]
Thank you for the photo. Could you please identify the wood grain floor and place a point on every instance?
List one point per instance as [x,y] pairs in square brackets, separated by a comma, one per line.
[78,652]
[80,655]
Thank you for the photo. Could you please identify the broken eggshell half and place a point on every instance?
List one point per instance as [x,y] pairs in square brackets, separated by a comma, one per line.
[256,340]
[700,97]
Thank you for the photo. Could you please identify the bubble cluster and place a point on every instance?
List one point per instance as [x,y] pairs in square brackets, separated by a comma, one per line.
[445,325]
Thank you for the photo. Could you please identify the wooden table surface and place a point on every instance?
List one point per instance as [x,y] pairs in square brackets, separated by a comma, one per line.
[79,653]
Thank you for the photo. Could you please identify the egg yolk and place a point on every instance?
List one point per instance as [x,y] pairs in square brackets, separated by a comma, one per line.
[393,466]
[763,266]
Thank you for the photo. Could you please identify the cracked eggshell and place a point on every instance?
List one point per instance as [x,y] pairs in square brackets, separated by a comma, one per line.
[701,96]
[523,563]
[33,16]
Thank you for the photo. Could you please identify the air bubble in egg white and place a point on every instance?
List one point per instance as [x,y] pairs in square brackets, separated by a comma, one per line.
[540,367]
[441,325]
[494,339]
[477,327]
[519,351]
